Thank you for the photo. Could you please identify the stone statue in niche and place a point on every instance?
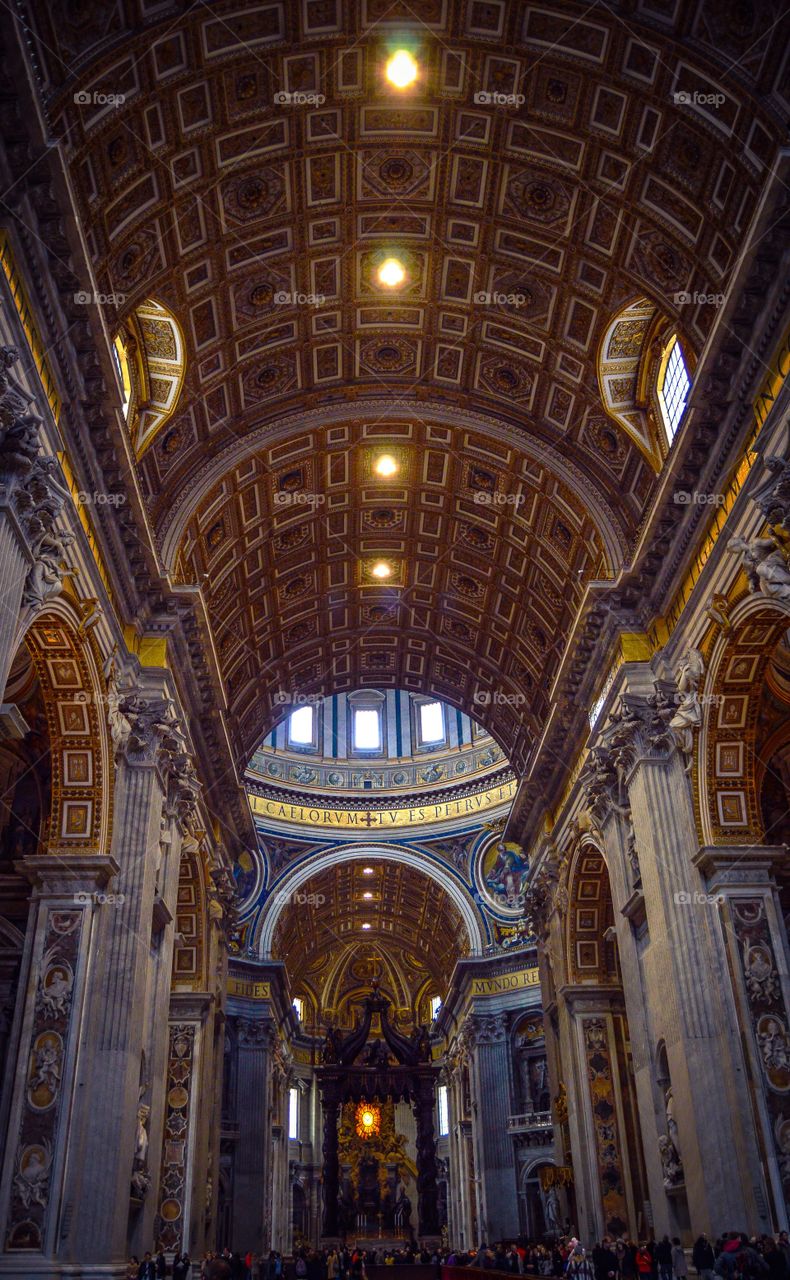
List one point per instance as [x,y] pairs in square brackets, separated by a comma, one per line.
[141,1179]
[141,1141]
[539,1084]
[551,1209]
[402,1211]
[668,1146]
[671,1167]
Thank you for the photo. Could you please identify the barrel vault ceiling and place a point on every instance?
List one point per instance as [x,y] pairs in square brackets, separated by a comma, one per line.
[545,156]
[413,938]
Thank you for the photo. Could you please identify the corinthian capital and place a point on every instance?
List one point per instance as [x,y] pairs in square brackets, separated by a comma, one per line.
[488,1028]
[254,1034]
[142,729]
[639,726]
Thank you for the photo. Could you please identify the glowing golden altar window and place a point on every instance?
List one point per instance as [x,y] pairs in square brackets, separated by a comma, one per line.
[368,1120]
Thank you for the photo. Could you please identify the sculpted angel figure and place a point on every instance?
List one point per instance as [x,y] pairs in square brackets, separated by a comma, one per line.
[765,565]
[47,573]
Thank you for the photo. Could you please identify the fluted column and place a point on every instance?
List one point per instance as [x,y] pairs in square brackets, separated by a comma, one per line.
[692,1015]
[110,1136]
[691,1081]
[251,1212]
[750,933]
[497,1166]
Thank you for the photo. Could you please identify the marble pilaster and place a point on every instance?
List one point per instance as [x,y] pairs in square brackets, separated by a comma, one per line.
[46,1043]
[255,1040]
[113,1069]
[702,1162]
[749,929]
[497,1166]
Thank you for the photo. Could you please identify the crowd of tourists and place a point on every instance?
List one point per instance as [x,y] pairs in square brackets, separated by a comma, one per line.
[734,1256]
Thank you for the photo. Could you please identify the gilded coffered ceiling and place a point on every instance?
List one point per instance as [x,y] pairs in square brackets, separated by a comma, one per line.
[361,920]
[247,166]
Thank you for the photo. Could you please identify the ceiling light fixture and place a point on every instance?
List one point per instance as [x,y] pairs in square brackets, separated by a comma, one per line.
[401,69]
[367,895]
[367,871]
[385,465]
[381,570]
[391,273]
[366,925]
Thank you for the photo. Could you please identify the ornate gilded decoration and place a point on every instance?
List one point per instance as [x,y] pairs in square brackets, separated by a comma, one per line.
[80,805]
[601,1064]
[169,1227]
[155,350]
[368,1120]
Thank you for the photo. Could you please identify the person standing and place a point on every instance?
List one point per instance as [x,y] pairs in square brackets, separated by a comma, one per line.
[578,1266]
[147,1268]
[663,1257]
[703,1257]
[679,1265]
[776,1261]
[644,1262]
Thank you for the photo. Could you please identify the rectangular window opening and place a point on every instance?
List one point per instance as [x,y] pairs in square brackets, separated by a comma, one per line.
[432,722]
[444,1111]
[674,390]
[367,729]
[300,727]
[293,1113]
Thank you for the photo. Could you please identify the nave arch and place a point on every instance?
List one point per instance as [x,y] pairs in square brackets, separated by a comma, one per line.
[728,769]
[73,690]
[290,884]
